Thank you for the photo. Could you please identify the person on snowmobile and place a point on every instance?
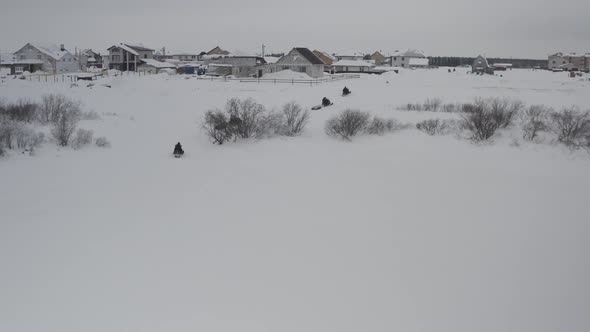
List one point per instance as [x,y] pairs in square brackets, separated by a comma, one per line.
[178,149]
[326,102]
[345,91]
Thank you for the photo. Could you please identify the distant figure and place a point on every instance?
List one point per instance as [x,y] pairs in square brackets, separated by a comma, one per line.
[326,102]
[345,91]
[453,70]
[178,150]
[449,70]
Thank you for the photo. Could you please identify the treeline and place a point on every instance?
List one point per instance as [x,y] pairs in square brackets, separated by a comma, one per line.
[443,61]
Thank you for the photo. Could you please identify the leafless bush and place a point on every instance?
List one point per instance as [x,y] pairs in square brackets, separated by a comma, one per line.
[533,120]
[247,118]
[51,106]
[102,142]
[480,120]
[23,111]
[572,127]
[432,104]
[294,119]
[347,124]
[504,110]
[216,126]
[434,126]
[64,125]
[412,107]
[450,108]
[7,131]
[27,138]
[82,138]
[90,115]
[377,126]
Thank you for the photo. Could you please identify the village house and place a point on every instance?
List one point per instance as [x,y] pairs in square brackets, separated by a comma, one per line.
[300,60]
[241,66]
[353,56]
[378,58]
[88,58]
[353,66]
[481,66]
[153,66]
[216,52]
[403,59]
[327,59]
[45,57]
[10,65]
[127,57]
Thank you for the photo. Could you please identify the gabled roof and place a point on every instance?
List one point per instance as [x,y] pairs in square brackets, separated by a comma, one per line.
[133,49]
[309,56]
[217,50]
[50,50]
[326,54]
[409,54]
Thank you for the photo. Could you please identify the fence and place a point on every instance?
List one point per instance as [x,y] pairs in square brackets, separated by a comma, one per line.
[55,78]
[327,79]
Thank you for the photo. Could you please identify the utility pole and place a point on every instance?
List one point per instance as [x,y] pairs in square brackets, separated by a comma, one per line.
[263,46]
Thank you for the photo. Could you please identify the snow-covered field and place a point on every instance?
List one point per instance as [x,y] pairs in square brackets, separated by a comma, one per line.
[401,232]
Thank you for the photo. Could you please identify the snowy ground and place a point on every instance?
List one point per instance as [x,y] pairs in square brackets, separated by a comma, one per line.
[401,232]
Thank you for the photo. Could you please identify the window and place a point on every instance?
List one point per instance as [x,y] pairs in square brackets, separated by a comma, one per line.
[116,58]
[302,69]
[22,57]
[394,58]
[145,56]
[19,70]
[402,58]
[39,56]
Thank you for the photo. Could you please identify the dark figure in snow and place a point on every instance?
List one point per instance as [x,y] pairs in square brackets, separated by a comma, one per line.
[326,102]
[345,91]
[178,150]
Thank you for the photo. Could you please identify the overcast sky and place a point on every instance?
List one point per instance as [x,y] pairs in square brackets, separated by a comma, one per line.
[501,28]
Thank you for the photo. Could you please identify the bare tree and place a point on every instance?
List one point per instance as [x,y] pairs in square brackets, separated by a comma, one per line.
[82,138]
[479,119]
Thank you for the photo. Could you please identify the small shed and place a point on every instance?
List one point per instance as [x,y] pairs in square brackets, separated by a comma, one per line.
[153,66]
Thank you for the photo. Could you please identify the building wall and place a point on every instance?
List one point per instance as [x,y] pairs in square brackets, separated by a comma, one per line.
[555,61]
[67,64]
[298,63]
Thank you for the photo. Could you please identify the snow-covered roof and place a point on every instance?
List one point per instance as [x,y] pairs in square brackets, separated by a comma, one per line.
[502,65]
[327,55]
[271,59]
[157,64]
[353,63]
[51,50]
[409,54]
[418,62]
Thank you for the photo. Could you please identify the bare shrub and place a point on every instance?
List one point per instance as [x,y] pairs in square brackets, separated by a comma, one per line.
[450,108]
[8,129]
[51,106]
[504,110]
[82,138]
[533,120]
[432,104]
[435,126]
[347,124]
[23,110]
[247,118]
[572,126]
[90,115]
[294,119]
[102,142]
[27,138]
[412,107]
[479,120]
[65,122]
[377,126]
[216,126]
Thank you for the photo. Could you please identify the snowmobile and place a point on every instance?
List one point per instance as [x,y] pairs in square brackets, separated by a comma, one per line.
[345,92]
[325,103]
[178,151]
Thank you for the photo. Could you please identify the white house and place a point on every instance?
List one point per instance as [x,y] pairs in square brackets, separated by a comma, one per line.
[352,66]
[154,66]
[300,60]
[418,63]
[53,59]
[402,59]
